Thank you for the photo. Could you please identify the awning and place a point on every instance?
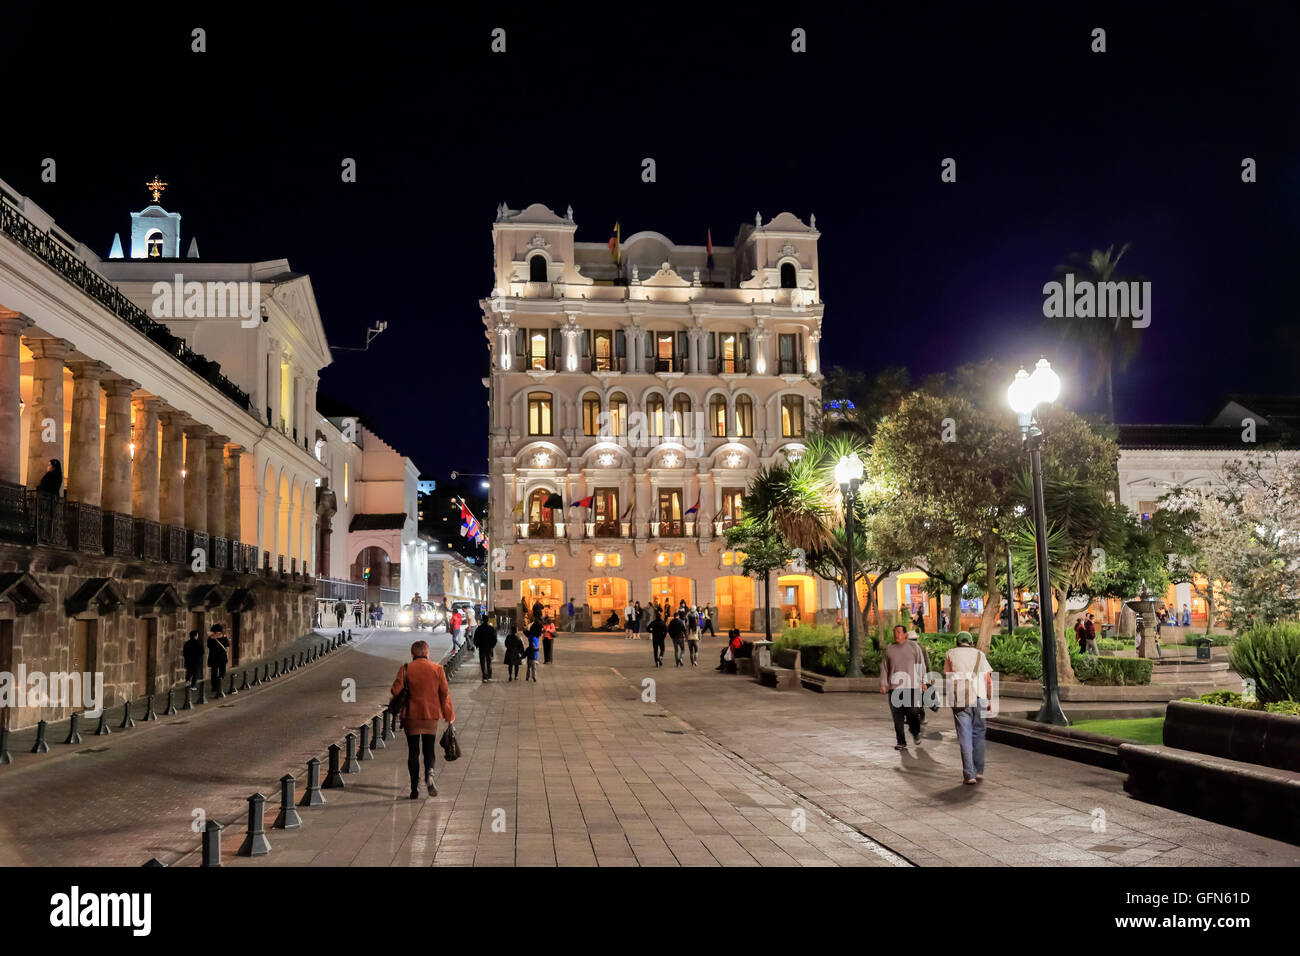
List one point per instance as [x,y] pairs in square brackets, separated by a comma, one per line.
[206,595]
[241,600]
[157,599]
[23,591]
[102,595]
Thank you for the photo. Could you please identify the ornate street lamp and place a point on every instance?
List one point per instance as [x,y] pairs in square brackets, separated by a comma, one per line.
[1026,393]
[848,475]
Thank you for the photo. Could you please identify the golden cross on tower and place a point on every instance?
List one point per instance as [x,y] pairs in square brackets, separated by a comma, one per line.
[156,186]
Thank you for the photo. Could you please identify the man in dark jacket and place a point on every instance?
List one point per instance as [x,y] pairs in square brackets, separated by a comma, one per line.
[485,639]
[192,653]
[217,657]
[677,631]
[658,630]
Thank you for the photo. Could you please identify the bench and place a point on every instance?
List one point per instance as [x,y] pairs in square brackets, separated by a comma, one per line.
[783,673]
[743,663]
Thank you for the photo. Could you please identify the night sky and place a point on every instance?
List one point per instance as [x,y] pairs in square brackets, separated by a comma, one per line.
[1058,150]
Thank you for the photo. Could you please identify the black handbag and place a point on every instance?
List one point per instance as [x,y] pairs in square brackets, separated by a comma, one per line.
[400,699]
[450,745]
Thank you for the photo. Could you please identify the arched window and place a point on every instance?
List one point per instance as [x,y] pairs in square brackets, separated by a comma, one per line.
[654,415]
[791,416]
[539,413]
[787,275]
[591,414]
[540,522]
[682,424]
[618,414]
[744,416]
[718,416]
[154,244]
[537,268]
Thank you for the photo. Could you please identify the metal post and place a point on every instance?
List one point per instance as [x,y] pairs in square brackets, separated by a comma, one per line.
[287,818]
[312,797]
[333,779]
[350,764]
[851,586]
[103,730]
[74,735]
[127,722]
[363,751]
[1051,712]
[148,711]
[243,685]
[376,734]
[170,709]
[388,725]
[41,747]
[1011,592]
[255,843]
[212,844]
[203,692]
[5,758]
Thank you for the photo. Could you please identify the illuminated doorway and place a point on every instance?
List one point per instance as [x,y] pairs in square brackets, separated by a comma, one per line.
[605,595]
[798,597]
[672,590]
[735,597]
[550,591]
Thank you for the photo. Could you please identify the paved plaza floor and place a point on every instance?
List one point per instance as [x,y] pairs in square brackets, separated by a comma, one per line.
[591,765]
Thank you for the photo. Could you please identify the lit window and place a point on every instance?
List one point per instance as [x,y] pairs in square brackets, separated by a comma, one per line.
[548,560]
[614,560]
[618,414]
[539,413]
[718,415]
[679,558]
[661,558]
[345,481]
[744,416]
[654,413]
[534,560]
[791,416]
[728,558]
[598,558]
[591,414]
[681,416]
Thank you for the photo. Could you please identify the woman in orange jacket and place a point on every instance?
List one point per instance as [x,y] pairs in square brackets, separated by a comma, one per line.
[428,701]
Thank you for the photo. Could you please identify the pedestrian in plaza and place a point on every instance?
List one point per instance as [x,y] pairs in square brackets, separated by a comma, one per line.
[533,649]
[1090,632]
[357,608]
[340,612]
[729,652]
[457,625]
[640,621]
[658,630]
[538,610]
[706,624]
[970,688]
[217,656]
[913,638]
[1081,635]
[920,621]
[693,642]
[485,639]
[548,638]
[572,616]
[629,621]
[523,612]
[902,678]
[428,700]
[514,654]
[677,631]
[1187,616]
[192,653]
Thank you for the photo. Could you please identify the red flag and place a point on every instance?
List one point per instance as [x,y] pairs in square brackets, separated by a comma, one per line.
[708,248]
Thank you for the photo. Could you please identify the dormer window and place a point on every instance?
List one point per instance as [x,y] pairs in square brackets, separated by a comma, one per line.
[787,275]
[537,268]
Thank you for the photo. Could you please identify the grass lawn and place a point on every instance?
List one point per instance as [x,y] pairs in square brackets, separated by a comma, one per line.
[1142,730]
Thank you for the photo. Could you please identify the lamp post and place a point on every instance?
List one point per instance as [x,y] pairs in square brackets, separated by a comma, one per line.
[1026,393]
[848,475]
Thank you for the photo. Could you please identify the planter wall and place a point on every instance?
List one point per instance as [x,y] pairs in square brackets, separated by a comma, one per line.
[1251,736]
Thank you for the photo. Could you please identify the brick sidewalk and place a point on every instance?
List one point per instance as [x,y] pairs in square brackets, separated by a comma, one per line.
[578,770]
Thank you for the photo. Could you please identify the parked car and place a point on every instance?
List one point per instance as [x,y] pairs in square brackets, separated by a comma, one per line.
[430,617]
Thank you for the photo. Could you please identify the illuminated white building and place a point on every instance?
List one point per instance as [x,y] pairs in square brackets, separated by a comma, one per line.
[648,386]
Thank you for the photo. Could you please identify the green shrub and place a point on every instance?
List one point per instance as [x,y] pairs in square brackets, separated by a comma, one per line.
[1220,698]
[1230,698]
[1291,707]
[807,635]
[1269,655]
[1111,644]
[1111,671]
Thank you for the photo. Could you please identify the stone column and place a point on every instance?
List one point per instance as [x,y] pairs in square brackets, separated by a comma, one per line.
[273,400]
[11,327]
[84,471]
[45,416]
[116,494]
[196,470]
[144,466]
[171,474]
[232,487]
[216,506]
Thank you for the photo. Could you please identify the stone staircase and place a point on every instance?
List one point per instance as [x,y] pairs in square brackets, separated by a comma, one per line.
[1206,676]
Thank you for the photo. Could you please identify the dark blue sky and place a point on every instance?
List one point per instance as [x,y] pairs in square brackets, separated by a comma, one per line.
[1058,150]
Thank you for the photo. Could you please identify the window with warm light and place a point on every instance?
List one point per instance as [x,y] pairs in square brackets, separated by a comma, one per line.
[591,414]
[792,416]
[744,416]
[539,413]
[614,560]
[654,414]
[679,558]
[602,351]
[618,414]
[534,560]
[661,558]
[598,559]
[681,416]
[732,510]
[718,416]
[345,481]
[537,352]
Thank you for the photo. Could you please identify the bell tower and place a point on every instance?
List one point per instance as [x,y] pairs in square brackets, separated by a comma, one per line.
[155,232]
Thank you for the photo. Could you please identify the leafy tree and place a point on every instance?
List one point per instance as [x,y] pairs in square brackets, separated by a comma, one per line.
[765,552]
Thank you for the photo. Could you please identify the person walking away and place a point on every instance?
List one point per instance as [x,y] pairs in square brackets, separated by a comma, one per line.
[629,621]
[572,616]
[548,637]
[677,631]
[1081,635]
[356,611]
[534,639]
[485,639]
[1187,616]
[658,630]
[970,688]
[457,624]
[693,643]
[192,652]
[340,612]
[902,678]
[538,611]
[523,612]
[514,654]
[428,701]
[217,656]
[920,621]
[1090,632]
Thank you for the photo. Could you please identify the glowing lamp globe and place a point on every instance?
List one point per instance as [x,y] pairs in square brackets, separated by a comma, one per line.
[848,469]
[1045,383]
[1020,394]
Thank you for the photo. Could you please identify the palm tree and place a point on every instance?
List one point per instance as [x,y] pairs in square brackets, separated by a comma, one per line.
[1110,340]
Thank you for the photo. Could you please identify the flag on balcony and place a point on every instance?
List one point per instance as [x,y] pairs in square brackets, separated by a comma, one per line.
[694,508]
[630,508]
[469,526]
[581,502]
[554,501]
[708,251]
[614,241]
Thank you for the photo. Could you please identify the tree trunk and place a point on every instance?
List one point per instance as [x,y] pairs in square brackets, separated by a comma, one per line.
[954,612]
[992,601]
[1064,669]
[767,603]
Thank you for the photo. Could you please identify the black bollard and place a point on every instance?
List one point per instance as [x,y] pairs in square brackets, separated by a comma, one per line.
[388,725]
[5,758]
[203,692]
[256,681]
[41,747]
[103,730]
[312,797]
[231,689]
[350,764]
[154,862]
[288,665]
[212,844]
[74,735]
[300,658]
[127,723]
[171,708]
[217,692]
[243,685]
[189,702]
[287,818]
[333,779]
[148,710]
[255,843]
[363,751]
[377,734]
[277,671]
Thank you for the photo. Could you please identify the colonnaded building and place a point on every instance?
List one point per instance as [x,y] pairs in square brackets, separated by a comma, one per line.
[632,399]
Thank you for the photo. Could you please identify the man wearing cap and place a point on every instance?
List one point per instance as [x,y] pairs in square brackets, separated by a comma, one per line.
[970,688]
